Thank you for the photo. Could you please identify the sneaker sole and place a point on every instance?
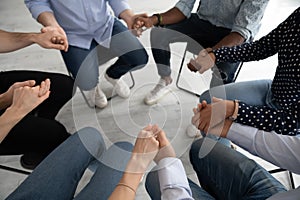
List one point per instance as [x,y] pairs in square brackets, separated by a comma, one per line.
[154,102]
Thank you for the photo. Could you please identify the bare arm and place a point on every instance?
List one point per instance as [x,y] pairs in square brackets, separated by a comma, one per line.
[24,100]
[233,39]
[14,41]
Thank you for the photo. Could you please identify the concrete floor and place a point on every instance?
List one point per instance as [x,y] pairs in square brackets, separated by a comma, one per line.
[122,119]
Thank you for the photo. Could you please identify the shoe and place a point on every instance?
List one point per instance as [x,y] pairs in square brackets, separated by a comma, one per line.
[31,160]
[120,86]
[193,132]
[97,97]
[160,90]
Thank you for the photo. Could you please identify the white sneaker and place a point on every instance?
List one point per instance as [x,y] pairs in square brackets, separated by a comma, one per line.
[193,132]
[160,90]
[120,86]
[97,97]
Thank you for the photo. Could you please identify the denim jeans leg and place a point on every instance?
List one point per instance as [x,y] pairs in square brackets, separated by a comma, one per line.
[228,174]
[126,46]
[250,92]
[108,174]
[58,175]
[83,65]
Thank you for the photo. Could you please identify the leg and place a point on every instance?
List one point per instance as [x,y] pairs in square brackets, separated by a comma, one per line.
[111,166]
[58,175]
[223,73]
[59,95]
[153,188]
[227,174]
[83,65]
[250,92]
[126,46]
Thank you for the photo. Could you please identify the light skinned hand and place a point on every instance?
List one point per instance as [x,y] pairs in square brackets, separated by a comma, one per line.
[133,24]
[204,61]
[145,149]
[8,95]
[26,98]
[165,147]
[59,36]
[221,129]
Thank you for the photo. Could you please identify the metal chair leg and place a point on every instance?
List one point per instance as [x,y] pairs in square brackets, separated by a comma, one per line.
[179,74]
[11,169]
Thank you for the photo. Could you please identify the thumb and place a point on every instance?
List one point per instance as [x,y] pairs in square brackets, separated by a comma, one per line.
[215,99]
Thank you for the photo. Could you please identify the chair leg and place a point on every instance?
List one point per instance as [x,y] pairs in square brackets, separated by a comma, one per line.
[179,74]
[292,180]
[14,170]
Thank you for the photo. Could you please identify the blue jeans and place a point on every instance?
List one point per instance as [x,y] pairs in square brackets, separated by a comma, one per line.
[58,175]
[83,63]
[227,174]
[194,31]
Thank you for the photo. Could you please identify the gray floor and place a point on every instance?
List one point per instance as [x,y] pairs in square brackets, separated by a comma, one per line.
[122,119]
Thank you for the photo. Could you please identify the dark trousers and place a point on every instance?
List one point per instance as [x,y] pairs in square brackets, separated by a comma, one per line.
[38,132]
[198,34]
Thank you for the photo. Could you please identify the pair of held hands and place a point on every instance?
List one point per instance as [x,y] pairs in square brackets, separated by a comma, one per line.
[213,118]
[25,96]
[151,144]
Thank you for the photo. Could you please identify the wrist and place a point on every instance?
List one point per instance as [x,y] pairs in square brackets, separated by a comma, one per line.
[157,19]
[234,110]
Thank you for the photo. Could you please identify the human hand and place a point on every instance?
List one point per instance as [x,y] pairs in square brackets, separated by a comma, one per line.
[145,149]
[139,26]
[56,35]
[196,111]
[203,62]
[26,98]
[221,129]
[165,147]
[212,114]
[8,95]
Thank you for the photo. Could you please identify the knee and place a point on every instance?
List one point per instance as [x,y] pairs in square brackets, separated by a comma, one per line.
[194,151]
[205,96]
[126,146]
[92,140]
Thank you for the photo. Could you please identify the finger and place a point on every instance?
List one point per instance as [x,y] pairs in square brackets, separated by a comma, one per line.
[195,111]
[54,40]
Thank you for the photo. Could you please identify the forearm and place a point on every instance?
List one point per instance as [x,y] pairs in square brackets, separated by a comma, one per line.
[172,16]
[281,150]
[8,120]
[14,41]
[47,19]
[126,189]
[233,39]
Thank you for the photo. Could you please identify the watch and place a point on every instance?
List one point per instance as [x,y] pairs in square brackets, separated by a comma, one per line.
[234,115]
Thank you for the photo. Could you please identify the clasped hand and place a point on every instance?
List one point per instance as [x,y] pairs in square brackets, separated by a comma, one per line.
[151,144]
[26,96]
[202,62]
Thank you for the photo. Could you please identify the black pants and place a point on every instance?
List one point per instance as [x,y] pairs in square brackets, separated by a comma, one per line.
[38,132]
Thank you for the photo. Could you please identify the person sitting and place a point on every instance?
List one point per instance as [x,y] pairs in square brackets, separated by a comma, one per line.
[97,24]
[117,175]
[217,23]
[27,109]
[269,105]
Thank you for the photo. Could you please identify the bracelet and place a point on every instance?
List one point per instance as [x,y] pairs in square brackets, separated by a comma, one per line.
[159,19]
[233,117]
[123,184]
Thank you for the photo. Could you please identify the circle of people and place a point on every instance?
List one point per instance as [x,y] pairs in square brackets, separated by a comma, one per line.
[264,120]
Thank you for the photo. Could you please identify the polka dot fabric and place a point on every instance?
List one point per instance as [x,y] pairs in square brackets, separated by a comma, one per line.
[284,40]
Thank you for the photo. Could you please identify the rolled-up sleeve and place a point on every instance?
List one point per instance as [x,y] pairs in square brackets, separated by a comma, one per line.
[36,7]
[186,7]
[173,180]
[247,21]
[118,6]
